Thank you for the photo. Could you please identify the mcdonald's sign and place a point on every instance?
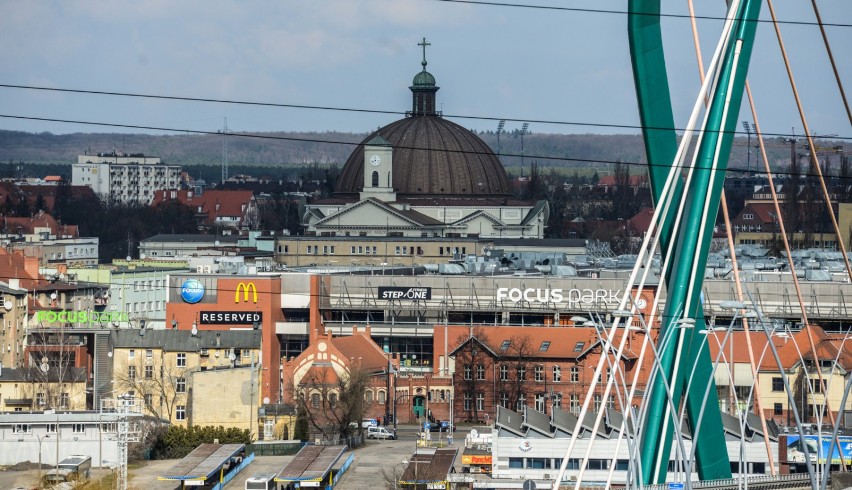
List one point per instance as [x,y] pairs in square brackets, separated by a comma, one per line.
[245,288]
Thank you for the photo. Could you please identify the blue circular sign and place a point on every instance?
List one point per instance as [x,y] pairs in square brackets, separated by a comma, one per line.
[192,291]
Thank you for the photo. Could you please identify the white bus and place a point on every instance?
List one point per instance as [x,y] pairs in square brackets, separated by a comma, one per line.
[261,481]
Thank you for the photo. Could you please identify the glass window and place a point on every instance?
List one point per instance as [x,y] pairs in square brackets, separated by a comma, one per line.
[64,400]
[468,372]
[777,384]
[131,373]
[180,412]
[315,400]
[181,359]
[778,409]
[480,401]
[149,353]
[539,373]
[575,374]
[544,346]
[480,372]
[557,374]
[516,462]
[180,385]
[78,428]
[149,372]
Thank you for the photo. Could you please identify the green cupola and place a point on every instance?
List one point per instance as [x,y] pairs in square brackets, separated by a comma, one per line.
[423,89]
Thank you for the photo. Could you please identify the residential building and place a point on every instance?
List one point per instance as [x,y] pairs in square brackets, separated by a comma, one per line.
[13,319]
[168,369]
[221,212]
[124,178]
[171,246]
[42,387]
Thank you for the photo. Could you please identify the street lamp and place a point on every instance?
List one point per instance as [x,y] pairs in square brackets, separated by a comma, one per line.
[748,128]
[40,438]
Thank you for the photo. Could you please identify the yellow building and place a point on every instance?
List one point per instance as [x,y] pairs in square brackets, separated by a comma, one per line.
[26,389]
[13,317]
[182,377]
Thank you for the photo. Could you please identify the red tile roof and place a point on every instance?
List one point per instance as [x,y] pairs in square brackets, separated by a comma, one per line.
[214,204]
[27,225]
[361,347]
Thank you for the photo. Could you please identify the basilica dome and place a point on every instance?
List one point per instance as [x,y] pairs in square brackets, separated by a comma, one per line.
[432,157]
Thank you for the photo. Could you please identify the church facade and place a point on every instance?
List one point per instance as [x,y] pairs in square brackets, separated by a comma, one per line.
[424,176]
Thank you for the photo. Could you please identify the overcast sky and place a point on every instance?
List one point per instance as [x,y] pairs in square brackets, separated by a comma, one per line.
[491,61]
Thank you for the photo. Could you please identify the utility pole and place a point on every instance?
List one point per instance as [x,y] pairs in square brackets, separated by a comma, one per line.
[747,128]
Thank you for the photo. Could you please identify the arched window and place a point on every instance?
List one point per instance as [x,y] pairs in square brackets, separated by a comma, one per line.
[315,400]
[332,399]
[375,178]
[368,396]
[381,396]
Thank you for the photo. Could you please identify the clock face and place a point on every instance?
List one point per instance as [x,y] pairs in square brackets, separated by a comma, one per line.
[375,160]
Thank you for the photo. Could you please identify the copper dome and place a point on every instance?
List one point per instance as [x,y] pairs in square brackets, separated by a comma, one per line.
[432,156]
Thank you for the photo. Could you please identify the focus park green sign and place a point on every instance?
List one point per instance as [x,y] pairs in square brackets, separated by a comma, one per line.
[87,317]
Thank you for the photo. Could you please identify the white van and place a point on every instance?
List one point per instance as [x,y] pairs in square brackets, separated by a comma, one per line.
[379,433]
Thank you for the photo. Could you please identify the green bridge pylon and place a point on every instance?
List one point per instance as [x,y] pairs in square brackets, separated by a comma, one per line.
[684,352]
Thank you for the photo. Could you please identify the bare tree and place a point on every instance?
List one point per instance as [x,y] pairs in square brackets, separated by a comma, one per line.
[474,360]
[50,369]
[333,404]
[161,386]
[518,358]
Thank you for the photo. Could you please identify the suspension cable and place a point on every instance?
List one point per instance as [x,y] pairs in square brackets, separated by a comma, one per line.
[831,58]
[816,165]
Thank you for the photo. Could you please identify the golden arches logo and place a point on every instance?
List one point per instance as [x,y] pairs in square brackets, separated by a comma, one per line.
[245,288]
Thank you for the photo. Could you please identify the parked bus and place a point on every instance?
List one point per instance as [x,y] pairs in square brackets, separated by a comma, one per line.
[261,481]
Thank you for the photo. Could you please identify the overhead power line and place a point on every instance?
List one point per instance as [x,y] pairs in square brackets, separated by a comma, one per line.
[360,110]
[624,12]
[348,143]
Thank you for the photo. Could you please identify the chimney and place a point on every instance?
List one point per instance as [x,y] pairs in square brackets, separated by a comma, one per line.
[31,266]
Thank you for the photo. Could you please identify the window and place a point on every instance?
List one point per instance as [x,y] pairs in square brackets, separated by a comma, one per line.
[539,374]
[748,216]
[557,400]
[598,464]
[149,353]
[131,353]
[149,399]
[516,462]
[539,402]
[557,374]
[622,464]
[315,400]
[131,373]
[574,404]
[575,374]
[818,385]
[40,400]
[504,400]
[180,385]
[505,345]
[597,403]
[468,401]
[381,397]
[777,384]
[149,372]
[538,463]
[480,372]
[578,347]
[22,429]
[51,427]
[544,346]
[109,427]
[504,373]
[374,177]
[368,396]
[468,372]
[78,428]
[332,399]
[480,401]
[522,402]
[64,400]
[522,373]
[181,359]
[180,412]
[777,409]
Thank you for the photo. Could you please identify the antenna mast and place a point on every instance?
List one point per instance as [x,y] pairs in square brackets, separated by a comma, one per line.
[225,152]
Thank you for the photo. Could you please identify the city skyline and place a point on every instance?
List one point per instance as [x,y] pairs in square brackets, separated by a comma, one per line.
[519,63]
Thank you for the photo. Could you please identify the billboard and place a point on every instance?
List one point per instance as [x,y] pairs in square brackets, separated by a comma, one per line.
[409,293]
[818,448]
[230,317]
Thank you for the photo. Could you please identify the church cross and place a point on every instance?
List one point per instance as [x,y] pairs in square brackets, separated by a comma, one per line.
[424,44]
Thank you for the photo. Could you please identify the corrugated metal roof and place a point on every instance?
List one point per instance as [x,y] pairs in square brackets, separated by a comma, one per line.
[202,462]
[311,463]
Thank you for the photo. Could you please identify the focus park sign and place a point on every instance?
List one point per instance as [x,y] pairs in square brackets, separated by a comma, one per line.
[559,297]
[82,318]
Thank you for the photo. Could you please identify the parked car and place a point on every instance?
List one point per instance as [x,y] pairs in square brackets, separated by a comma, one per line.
[379,433]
